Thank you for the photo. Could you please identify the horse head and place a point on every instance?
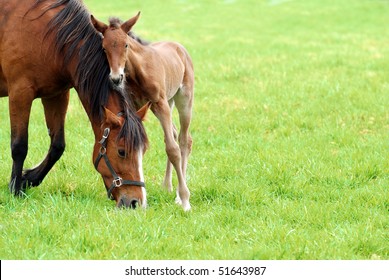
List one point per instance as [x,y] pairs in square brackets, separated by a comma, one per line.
[120,163]
[115,44]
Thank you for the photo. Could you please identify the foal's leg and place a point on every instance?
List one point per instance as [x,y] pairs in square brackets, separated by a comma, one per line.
[167,182]
[184,104]
[184,107]
[20,101]
[161,110]
[55,110]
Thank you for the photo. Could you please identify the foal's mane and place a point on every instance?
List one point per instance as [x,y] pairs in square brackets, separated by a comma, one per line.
[76,38]
[115,22]
[138,39]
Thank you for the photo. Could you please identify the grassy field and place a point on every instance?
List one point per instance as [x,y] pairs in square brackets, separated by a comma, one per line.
[291,143]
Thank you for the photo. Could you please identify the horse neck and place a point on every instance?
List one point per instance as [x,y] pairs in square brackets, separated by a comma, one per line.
[84,97]
[113,104]
[71,69]
[136,57]
[90,79]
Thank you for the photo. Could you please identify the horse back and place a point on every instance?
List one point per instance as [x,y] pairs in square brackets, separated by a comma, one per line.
[177,63]
[27,58]
[173,51]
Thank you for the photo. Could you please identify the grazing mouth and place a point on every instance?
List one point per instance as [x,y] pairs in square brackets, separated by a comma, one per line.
[130,203]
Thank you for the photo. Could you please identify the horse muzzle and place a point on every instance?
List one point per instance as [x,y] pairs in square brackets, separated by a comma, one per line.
[126,202]
[117,79]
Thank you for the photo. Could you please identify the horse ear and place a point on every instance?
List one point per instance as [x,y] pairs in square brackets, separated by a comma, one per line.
[112,119]
[142,112]
[126,27]
[99,26]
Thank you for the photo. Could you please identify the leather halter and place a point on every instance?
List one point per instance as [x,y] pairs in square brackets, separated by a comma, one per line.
[117,180]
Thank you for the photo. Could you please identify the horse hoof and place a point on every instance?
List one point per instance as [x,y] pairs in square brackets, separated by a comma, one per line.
[178,200]
[11,186]
[186,206]
[29,179]
[14,189]
[184,203]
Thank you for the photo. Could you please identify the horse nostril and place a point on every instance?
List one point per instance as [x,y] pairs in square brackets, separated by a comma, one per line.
[128,203]
[134,203]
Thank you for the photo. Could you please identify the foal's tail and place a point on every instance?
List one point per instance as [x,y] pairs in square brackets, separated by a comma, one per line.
[189,70]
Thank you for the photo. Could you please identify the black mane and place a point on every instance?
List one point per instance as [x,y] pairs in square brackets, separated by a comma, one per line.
[77,38]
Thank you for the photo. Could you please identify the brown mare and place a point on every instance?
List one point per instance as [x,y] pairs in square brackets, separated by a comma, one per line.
[46,48]
[160,73]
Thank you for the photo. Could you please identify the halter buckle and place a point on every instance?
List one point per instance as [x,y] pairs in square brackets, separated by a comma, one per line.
[105,136]
[117,182]
[103,150]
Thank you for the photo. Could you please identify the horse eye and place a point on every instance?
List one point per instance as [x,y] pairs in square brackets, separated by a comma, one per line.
[122,153]
[126,46]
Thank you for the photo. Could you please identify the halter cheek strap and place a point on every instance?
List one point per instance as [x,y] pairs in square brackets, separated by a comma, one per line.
[117,180]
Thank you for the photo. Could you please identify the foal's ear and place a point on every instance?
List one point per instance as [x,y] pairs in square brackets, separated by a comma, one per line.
[142,112]
[126,26]
[112,119]
[100,26]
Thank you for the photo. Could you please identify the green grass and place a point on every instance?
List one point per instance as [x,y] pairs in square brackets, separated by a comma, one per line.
[290,156]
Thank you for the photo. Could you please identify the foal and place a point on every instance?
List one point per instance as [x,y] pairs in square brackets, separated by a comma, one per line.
[161,73]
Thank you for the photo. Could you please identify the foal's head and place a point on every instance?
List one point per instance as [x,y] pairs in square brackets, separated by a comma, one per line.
[115,44]
[120,162]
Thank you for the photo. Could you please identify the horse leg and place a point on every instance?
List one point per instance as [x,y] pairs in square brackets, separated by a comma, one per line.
[184,104]
[167,182]
[55,110]
[20,101]
[161,110]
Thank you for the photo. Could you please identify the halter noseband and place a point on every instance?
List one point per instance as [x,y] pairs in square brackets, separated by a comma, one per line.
[117,180]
